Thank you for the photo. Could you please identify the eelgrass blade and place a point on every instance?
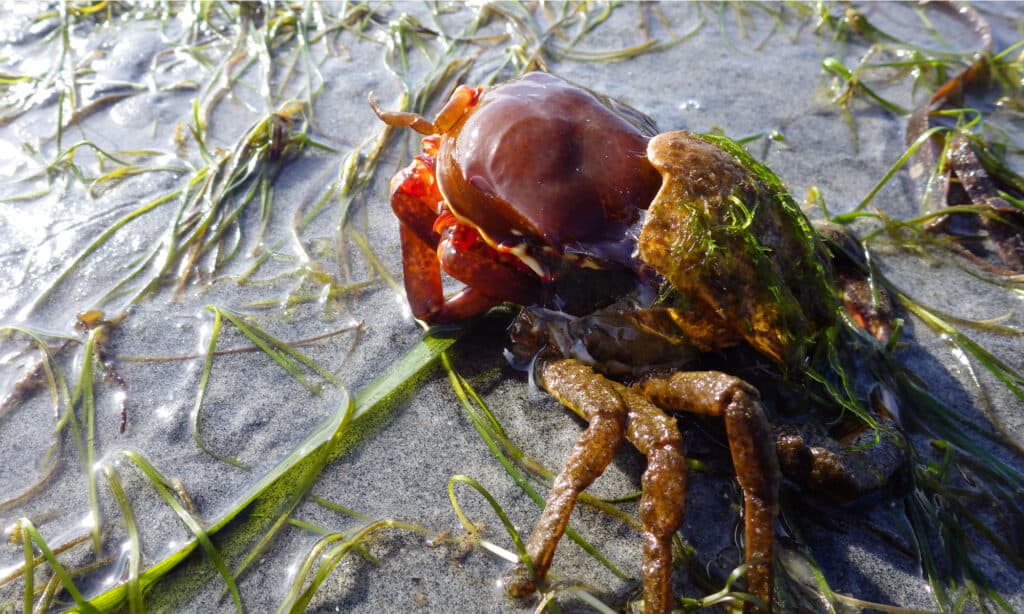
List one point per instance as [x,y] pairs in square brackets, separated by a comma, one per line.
[63,408]
[113,177]
[582,593]
[944,423]
[920,512]
[375,262]
[204,379]
[29,574]
[135,603]
[286,356]
[27,531]
[194,524]
[1013,380]
[379,394]
[341,509]
[920,141]
[289,603]
[727,596]
[84,395]
[972,519]
[296,602]
[208,190]
[472,529]
[855,83]
[121,287]
[15,572]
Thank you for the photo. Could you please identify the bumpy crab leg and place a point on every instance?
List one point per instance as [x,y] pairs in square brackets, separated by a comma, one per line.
[752,446]
[614,413]
[662,502]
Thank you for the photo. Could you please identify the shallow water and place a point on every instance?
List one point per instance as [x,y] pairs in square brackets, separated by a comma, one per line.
[141,79]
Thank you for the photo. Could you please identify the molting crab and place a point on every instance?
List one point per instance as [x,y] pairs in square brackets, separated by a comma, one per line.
[540,192]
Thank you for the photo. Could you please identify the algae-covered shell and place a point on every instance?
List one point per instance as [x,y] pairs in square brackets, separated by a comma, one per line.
[742,259]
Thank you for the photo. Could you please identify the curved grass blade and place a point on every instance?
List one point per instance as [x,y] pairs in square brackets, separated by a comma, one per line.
[135,603]
[314,555]
[204,379]
[381,393]
[727,596]
[27,531]
[472,529]
[296,602]
[194,524]
[282,353]
[60,396]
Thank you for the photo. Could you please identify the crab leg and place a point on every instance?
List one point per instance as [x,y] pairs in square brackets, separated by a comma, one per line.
[663,494]
[614,412]
[432,241]
[596,400]
[422,277]
[461,101]
[753,455]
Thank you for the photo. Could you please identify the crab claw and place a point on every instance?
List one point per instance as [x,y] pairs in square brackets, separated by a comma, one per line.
[433,240]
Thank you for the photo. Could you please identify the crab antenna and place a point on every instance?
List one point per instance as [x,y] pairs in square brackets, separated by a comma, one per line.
[403,119]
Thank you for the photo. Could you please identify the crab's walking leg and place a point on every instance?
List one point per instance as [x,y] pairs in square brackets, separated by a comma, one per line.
[414,199]
[753,455]
[462,100]
[596,400]
[614,412]
[663,488]
[423,277]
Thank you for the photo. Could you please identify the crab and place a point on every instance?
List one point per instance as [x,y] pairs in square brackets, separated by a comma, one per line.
[538,192]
